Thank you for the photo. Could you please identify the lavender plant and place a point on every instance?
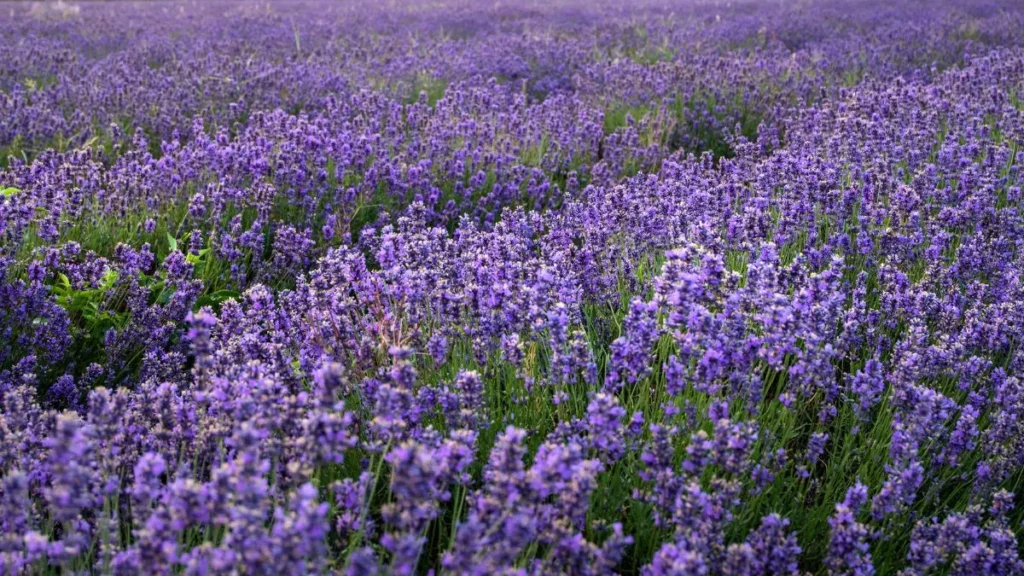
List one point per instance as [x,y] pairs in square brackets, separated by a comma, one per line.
[572,288]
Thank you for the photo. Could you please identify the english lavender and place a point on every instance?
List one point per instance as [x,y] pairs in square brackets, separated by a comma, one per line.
[669,288]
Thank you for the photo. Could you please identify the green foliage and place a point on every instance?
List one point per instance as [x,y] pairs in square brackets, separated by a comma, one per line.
[693,123]
[432,87]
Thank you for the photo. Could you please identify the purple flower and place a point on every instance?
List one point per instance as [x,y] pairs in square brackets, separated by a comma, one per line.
[849,544]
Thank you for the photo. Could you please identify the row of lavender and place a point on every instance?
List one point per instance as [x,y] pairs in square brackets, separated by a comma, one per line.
[517,327]
[67,78]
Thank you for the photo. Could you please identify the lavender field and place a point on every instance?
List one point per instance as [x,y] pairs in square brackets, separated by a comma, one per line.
[460,287]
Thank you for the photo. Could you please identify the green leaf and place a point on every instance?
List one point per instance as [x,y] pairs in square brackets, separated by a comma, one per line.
[164,296]
[216,298]
[108,280]
[8,192]
[172,242]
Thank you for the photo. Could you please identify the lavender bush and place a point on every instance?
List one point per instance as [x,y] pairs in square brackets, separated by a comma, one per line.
[512,288]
